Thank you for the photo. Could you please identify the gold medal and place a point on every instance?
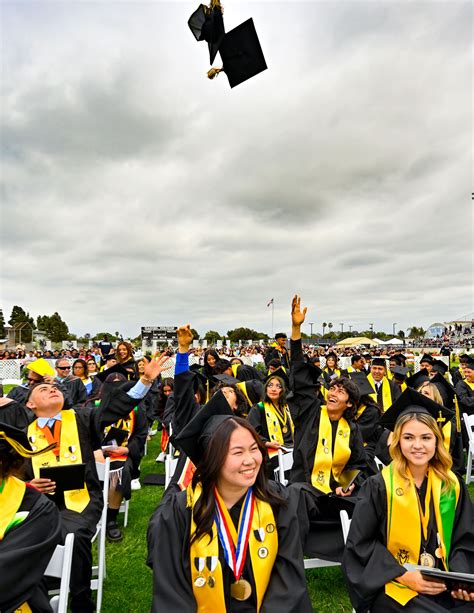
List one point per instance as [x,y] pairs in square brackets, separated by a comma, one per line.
[241,590]
[211,582]
[399,491]
[270,528]
[262,552]
[200,582]
[284,429]
[326,450]
[426,559]
[439,553]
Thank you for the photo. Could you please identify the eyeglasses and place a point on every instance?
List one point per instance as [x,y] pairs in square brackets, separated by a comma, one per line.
[63,367]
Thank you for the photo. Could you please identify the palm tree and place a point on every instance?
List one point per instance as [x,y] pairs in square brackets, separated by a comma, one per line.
[324,326]
[330,326]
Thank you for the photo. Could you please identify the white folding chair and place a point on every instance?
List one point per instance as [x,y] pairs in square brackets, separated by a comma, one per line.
[60,567]
[285,462]
[346,524]
[380,465]
[317,562]
[469,423]
[124,509]
[170,464]
[99,571]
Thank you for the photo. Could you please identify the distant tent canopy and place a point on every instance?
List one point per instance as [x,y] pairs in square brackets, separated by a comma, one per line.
[357,340]
[435,330]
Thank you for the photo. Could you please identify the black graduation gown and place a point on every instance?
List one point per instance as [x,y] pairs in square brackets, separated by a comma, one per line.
[25,552]
[248,373]
[258,420]
[272,353]
[368,565]
[465,397]
[169,557]
[14,413]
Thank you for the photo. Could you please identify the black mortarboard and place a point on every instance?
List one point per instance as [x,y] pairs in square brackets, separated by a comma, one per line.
[445,389]
[241,54]
[418,379]
[464,357]
[199,378]
[379,362]
[253,390]
[280,373]
[13,438]
[440,366]
[426,358]
[400,373]
[208,24]
[469,363]
[315,373]
[280,335]
[398,358]
[332,354]
[411,401]
[116,368]
[193,438]
[362,383]
[226,379]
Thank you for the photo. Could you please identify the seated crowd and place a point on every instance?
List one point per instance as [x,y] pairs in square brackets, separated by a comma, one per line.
[386,446]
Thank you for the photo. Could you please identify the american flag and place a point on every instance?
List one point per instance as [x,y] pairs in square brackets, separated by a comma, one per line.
[270,303]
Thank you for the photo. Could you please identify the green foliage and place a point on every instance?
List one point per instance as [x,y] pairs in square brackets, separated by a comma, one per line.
[417,332]
[195,334]
[2,325]
[246,334]
[212,336]
[55,328]
[100,336]
[18,317]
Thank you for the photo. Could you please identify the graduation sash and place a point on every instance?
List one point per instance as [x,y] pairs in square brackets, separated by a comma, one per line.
[325,463]
[275,422]
[206,569]
[404,522]
[386,391]
[447,431]
[69,453]
[127,424]
[11,497]
[335,371]
[243,388]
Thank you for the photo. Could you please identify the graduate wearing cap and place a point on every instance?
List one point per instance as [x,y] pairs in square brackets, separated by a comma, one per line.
[385,391]
[76,433]
[357,365]
[465,388]
[278,351]
[231,541]
[331,371]
[457,372]
[395,360]
[271,417]
[367,415]
[416,511]
[427,361]
[30,529]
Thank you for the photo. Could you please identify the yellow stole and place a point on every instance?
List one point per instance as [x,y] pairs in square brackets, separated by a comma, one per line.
[234,368]
[75,500]
[212,600]
[325,463]
[123,424]
[469,384]
[11,498]
[386,392]
[336,371]
[243,388]
[273,422]
[447,431]
[404,522]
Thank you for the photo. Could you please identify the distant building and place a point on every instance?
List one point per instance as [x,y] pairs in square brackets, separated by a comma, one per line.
[436,330]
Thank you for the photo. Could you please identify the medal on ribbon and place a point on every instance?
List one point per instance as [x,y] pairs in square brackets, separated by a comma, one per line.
[235,545]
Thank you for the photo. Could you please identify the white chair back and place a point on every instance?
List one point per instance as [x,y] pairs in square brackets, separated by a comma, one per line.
[60,567]
[469,423]
[285,462]
[99,571]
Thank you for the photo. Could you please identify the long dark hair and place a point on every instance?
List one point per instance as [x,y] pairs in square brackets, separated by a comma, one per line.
[208,370]
[282,396]
[208,470]
[242,404]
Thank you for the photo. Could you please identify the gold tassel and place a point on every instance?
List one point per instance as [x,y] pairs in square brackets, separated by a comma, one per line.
[189,496]
[18,447]
[213,72]
[216,4]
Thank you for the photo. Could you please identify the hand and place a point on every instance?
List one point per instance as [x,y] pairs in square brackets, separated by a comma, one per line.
[463,595]
[272,445]
[117,451]
[45,486]
[48,379]
[185,338]
[414,580]
[297,316]
[155,367]
[340,492]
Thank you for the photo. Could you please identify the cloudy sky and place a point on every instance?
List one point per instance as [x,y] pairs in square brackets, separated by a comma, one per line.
[137,192]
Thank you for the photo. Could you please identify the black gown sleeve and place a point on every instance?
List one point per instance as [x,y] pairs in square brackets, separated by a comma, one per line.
[168,556]
[465,397]
[136,443]
[25,553]
[304,390]
[461,557]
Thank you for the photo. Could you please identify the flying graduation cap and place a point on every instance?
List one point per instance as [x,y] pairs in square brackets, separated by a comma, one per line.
[240,50]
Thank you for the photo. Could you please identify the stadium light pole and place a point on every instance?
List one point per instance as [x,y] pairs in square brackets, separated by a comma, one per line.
[311,328]
[393,325]
[342,326]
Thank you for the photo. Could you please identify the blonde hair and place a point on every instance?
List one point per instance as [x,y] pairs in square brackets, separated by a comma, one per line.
[441,462]
[434,392]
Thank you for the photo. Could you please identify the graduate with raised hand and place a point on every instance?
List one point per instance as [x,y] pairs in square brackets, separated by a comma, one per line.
[231,541]
[416,511]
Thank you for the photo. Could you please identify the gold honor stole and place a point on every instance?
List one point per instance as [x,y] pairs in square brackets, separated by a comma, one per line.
[273,422]
[404,522]
[324,462]
[386,392]
[123,424]
[211,599]
[11,497]
[69,453]
[336,371]
[243,388]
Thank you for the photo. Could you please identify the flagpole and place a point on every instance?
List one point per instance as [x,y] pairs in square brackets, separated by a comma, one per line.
[273,306]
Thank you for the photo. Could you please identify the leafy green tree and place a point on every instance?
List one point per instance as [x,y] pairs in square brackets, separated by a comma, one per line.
[55,328]
[18,317]
[212,336]
[2,325]
[195,334]
[100,336]
[416,332]
[245,334]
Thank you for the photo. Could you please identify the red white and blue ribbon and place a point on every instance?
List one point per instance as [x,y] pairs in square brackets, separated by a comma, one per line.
[235,555]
